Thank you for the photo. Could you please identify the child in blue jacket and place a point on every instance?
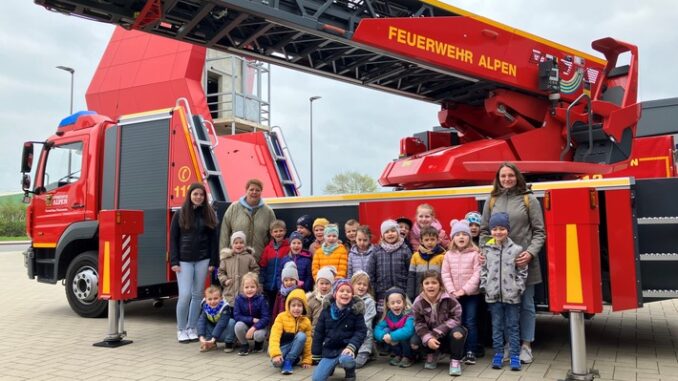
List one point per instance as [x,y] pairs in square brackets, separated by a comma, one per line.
[252,315]
[215,323]
[396,328]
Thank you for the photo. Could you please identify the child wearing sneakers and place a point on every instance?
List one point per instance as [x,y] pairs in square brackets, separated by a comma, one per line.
[437,322]
[251,315]
[361,288]
[339,332]
[290,281]
[215,323]
[503,283]
[291,334]
[396,328]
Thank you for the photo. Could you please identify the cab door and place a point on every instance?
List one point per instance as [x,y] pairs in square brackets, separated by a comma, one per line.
[61,190]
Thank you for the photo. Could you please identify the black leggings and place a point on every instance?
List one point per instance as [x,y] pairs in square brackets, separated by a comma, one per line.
[448,343]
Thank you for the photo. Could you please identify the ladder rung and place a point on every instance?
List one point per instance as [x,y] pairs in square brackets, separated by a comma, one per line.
[288,182]
[659,257]
[660,293]
[212,173]
[657,220]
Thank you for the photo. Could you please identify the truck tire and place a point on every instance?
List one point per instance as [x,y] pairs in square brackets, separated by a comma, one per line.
[82,286]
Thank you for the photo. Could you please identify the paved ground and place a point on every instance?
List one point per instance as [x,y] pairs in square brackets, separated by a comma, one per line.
[43,340]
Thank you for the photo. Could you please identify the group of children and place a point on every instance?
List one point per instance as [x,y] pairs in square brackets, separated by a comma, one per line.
[425,286]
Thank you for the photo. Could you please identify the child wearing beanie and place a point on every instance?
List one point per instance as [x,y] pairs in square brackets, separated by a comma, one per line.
[429,256]
[474,218]
[290,281]
[318,233]
[388,266]
[323,288]
[503,283]
[234,262]
[339,332]
[305,228]
[331,253]
[302,259]
[461,278]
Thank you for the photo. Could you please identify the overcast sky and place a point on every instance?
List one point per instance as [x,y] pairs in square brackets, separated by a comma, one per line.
[354,128]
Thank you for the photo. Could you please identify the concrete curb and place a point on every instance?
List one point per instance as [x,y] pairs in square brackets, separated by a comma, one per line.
[14,242]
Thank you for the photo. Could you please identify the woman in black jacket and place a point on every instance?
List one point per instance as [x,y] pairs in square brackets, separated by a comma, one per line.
[194,248]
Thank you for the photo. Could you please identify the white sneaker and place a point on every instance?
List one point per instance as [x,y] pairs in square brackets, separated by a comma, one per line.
[526,355]
[192,334]
[182,336]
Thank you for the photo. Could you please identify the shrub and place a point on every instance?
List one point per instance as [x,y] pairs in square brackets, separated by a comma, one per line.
[12,220]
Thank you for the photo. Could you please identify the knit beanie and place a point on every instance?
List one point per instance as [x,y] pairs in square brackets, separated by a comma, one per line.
[459,227]
[339,283]
[305,221]
[500,219]
[327,273]
[405,220]
[320,221]
[289,271]
[473,217]
[296,235]
[331,229]
[238,234]
[388,225]
[394,290]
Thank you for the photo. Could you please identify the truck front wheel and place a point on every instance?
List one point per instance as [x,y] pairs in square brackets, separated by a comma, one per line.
[82,286]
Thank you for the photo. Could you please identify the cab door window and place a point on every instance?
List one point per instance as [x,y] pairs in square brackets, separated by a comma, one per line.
[63,166]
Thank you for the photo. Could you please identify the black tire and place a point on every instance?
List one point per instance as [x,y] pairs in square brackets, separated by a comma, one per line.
[81,293]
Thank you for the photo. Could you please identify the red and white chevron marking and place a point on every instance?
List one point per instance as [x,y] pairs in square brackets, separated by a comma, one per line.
[126,264]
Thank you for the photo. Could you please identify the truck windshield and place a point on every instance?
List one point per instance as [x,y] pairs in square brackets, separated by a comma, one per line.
[63,165]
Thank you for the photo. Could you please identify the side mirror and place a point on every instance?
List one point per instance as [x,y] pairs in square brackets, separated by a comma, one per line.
[27,160]
[25,182]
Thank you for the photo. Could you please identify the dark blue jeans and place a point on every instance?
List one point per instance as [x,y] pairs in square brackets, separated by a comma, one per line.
[505,321]
[401,349]
[469,316]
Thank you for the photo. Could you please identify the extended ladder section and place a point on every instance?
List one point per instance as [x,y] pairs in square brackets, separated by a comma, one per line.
[284,166]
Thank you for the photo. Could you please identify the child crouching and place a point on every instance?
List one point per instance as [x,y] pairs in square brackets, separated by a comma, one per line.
[215,323]
[251,315]
[291,334]
[396,328]
[339,332]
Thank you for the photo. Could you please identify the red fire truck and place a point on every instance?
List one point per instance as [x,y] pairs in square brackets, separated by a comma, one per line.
[569,120]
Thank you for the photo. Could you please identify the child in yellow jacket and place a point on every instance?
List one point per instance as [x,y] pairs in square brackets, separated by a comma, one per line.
[291,334]
[331,253]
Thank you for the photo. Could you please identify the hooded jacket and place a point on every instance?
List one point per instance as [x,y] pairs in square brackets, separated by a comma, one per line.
[286,326]
[461,271]
[246,309]
[196,244]
[527,226]
[435,320]
[421,262]
[303,262]
[254,222]
[231,269]
[271,264]
[333,334]
[357,260]
[500,278]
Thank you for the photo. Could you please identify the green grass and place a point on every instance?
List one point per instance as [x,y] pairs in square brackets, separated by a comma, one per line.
[11,198]
[5,239]
[12,220]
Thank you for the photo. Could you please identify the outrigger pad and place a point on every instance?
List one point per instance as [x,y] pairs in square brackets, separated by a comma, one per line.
[112,343]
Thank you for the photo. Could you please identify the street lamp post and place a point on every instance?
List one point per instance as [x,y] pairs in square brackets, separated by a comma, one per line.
[310,101]
[72,71]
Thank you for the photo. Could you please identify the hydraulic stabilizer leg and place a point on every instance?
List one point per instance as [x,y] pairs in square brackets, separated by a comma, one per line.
[116,326]
[579,371]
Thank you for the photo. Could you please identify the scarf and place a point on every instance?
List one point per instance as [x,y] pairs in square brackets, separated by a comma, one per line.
[213,314]
[286,290]
[328,249]
[335,312]
[391,247]
[427,255]
[397,321]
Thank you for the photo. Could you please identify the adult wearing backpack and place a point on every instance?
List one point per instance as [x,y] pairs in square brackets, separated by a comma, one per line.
[510,194]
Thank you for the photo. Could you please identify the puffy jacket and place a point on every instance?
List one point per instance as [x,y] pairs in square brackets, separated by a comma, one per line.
[255,307]
[199,243]
[389,269]
[421,262]
[335,332]
[527,226]
[461,271]
[315,305]
[231,269]
[357,260]
[254,222]
[415,235]
[401,328]
[286,326]
[271,264]
[435,319]
[337,258]
[215,322]
[303,262]
[370,314]
[500,278]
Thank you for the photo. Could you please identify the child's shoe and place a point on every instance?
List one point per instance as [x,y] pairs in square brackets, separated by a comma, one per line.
[286,367]
[244,350]
[258,346]
[498,360]
[455,368]
[229,347]
[182,336]
[431,361]
[395,361]
[406,362]
[515,363]
[470,358]
[361,359]
[350,375]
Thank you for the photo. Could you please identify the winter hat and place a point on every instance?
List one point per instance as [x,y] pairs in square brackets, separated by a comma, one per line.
[238,234]
[394,290]
[405,220]
[305,221]
[320,221]
[473,217]
[500,219]
[289,271]
[388,225]
[459,227]
[296,235]
[339,283]
[331,229]
[327,273]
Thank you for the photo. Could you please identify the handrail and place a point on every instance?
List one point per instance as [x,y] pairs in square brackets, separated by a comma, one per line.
[214,132]
[565,150]
[288,157]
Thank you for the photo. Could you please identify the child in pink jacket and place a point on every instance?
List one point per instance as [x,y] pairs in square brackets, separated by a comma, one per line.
[461,278]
